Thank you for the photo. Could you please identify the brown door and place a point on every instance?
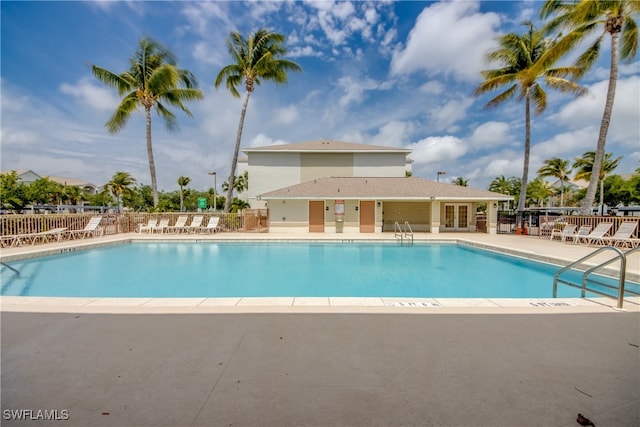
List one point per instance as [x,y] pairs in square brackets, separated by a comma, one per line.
[367,216]
[316,216]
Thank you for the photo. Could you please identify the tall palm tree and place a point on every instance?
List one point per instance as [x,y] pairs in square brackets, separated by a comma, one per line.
[523,61]
[183,181]
[538,191]
[583,18]
[586,170]
[257,58]
[556,168]
[461,181]
[121,183]
[153,80]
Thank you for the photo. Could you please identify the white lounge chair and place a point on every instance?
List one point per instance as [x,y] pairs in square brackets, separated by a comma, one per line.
[148,227]
[92,228]
[196,224]
[623,235]
[583,231]
[567,232]
[212,226]
[161,227]
[598,235]
[180,224]
[32,238]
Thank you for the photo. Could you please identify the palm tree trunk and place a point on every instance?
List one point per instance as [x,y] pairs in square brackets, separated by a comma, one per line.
[604,128]
[561,192]
[234,163]
[152,164]
[181,199]
[525,167]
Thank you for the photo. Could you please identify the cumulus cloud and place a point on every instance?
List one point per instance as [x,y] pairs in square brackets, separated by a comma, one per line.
[394,134]
[97,97]
[489,135]
[437,149]
[262,140]
[444,116]
[458,54]
[286,115]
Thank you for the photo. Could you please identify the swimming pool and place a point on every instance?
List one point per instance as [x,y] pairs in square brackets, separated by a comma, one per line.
[212,270]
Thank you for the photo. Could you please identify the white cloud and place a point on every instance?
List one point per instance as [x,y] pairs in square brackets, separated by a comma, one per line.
[286,115]
[490,135]
[444,116]
[97,97]
[434,48]
[586,111]
[437,149]
[262,140]
[393,134]
[432,87]
[354,89]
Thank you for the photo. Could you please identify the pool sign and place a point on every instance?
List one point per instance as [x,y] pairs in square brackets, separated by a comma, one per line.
[339,207]
[202,203]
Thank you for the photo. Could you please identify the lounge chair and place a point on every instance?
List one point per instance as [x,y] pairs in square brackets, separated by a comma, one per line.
[583,231]
[179,225]
[567,232]
[196,224]
[623,235]
[212,225]
[148,227]
[32,238]
[161,227]
[92,228]
[598,235]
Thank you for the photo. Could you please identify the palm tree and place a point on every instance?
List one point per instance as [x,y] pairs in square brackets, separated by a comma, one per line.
[556,168]
[523,63]
[153,80]
[257,58]
[183,181]
[461,181]
[585,166]
[582,18]
[121,183]
[538,191]
[502,185]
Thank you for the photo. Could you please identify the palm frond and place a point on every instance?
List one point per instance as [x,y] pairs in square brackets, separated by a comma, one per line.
[629,39]
[589,57]
[564,85]
[538,98]
[170,122]
[120,82]
[503,97]
[120,117]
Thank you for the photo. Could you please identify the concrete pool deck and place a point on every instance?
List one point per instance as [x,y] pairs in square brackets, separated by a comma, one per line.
[270,365]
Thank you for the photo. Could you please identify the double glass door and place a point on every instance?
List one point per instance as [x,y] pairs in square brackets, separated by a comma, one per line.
[456,216]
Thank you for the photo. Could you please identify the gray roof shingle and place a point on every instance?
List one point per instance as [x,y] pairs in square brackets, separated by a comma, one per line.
[408,188]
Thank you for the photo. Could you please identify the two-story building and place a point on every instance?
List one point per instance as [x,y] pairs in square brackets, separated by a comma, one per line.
[331,186]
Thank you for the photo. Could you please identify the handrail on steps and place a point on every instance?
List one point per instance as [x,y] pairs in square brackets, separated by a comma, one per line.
[619,255]
[400,233]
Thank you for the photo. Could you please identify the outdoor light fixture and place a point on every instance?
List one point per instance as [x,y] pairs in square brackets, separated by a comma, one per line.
[438,175]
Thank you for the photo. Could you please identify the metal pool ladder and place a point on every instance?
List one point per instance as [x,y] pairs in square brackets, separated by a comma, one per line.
[10,268]
[401,234]
[586,280]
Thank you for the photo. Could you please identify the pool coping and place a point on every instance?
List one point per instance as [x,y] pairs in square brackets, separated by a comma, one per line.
[298,304]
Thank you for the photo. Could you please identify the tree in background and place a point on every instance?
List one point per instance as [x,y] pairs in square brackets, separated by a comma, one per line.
[585,167]
[582,19]
[153,81]
[183,181]
[461,181]
[539,191]
[556,168]
[524,62]
[259,57]
[508,186]
[121,184]
[12,192]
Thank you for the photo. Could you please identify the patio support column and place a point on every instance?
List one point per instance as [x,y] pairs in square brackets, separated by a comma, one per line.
[435,217]
[492,217]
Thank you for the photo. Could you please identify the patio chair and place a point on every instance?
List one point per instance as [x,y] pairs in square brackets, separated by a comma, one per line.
[598,235]
[148,227]
[196,224]
[180,224]
[212,226]
[623,235]
[567,232]
[92,228]
[583,231]
[161,227]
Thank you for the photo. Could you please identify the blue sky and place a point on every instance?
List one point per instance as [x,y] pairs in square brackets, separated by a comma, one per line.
[385,73]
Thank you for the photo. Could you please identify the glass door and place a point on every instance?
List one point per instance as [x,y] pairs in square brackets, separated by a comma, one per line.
[456,217]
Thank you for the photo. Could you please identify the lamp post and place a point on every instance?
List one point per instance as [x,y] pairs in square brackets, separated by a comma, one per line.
[214,190]
[438,176]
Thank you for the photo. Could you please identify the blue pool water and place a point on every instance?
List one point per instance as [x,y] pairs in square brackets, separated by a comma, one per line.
[283,269]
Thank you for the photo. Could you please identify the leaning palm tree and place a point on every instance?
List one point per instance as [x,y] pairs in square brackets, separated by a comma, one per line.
[523,60]
[556,168]
[153,80]
[121,184]
[583,18]
[585,170]
[183,181]
[257,58]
